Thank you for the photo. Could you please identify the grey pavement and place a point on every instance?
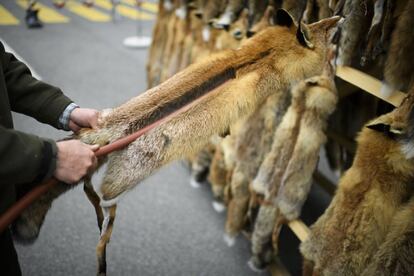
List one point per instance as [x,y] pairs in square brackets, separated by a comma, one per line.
[163,226]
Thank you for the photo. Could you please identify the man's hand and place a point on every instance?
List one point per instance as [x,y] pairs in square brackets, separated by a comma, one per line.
[74,160]
[83,117]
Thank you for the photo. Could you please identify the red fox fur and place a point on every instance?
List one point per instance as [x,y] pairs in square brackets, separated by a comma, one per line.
[395,256]
[347,236]
[235,83]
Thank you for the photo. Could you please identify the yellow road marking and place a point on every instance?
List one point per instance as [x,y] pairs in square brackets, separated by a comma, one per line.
[90,14]
[6,18]
[46,14]
[105,4]
[152,7]
[133,13]
[128,12]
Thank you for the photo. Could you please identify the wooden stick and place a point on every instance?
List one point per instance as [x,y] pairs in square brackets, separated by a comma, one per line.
[299,229]
[368,83]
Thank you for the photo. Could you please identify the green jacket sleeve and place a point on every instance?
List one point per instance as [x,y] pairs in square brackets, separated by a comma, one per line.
[30,96]
[25,158]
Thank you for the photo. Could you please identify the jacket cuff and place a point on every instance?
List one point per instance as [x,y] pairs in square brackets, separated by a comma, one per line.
[64,118]
[56,108]
[48,162]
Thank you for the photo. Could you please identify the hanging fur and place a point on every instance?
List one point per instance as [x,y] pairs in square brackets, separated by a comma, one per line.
[181,30]
[171,30]
[346,237]
[299,138]
[231,13]
[200,165]
[373,45]
[399,67]
[157,49]
[218,175]
[261,66]
[232,38]
[270,175]
[353,30]
[395,256]
[253,141]
[264,22]
[324,10]
[256,11]
[316,10]
[320,101]
[295,7]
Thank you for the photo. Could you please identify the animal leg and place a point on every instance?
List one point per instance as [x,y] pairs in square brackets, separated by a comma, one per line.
[200,167]
[27,226]
[217,177]
[252,209]
[307,268]
[276,230]
[94,199]
[261,238]
[236,215]
[107,226]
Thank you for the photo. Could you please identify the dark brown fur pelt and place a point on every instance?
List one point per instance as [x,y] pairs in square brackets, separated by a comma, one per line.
[399,67]
[354,29]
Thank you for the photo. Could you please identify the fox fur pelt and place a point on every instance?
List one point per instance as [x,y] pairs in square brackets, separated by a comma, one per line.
[395,256]
[295,153]
[228,86]
[346,237]
[399,67]
[253,141]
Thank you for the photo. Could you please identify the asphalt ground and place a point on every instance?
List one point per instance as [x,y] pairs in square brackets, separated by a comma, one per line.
[163,226]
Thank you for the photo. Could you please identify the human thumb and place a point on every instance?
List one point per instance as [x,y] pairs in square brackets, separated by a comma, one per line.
[94,147]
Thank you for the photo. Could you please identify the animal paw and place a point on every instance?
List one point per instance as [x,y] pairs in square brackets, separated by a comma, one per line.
[229,240]
[386,89]
[181,13]
[337,173]
[254,266]
[168,5]
[223,22]
[206,34]
[194,183]
[219,207]
[25,231]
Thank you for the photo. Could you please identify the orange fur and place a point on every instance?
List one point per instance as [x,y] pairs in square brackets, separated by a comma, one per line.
[349,233]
